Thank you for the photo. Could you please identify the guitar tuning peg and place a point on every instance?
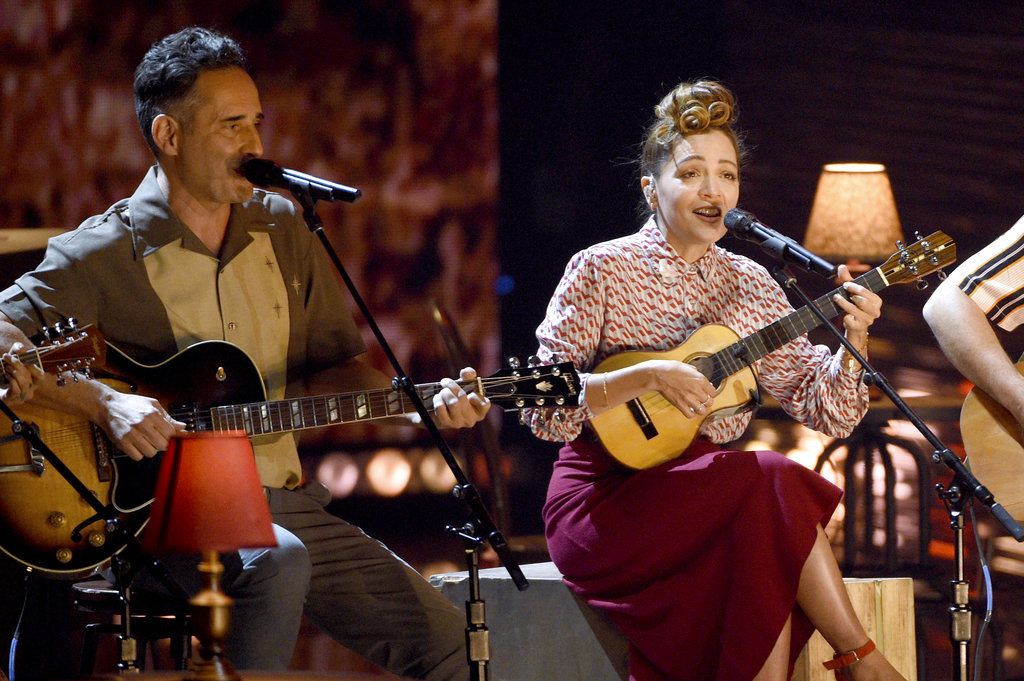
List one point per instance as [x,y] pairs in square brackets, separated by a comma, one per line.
[514,362]
[921,284]
[522,418]
[533,360]
[942,275]
[47,332]
[72,324]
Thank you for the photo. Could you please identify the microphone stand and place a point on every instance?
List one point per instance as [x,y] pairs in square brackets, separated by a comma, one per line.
[955,497]
[480,528]
[125,567]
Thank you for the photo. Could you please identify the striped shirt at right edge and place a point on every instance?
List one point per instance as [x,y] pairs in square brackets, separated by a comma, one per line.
[994,278]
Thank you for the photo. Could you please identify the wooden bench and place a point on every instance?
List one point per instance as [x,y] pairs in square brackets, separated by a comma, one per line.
[545,632]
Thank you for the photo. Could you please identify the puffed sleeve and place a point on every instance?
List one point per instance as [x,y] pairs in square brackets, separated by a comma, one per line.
[571,331]
[810,381]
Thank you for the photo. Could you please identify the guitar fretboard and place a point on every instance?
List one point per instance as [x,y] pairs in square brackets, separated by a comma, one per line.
[282,416]
[746,351]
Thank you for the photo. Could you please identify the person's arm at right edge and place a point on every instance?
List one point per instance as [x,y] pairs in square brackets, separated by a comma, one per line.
[138,425]
[968,340]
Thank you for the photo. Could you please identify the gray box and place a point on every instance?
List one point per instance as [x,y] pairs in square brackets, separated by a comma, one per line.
[544,633]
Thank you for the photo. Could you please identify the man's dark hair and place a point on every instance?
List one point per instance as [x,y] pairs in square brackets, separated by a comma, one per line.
[166,74]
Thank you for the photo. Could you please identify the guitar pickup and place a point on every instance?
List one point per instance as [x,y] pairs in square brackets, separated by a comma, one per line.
[642,418]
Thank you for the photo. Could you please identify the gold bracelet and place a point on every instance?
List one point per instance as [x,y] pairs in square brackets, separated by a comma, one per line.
[604,389]
[851,363]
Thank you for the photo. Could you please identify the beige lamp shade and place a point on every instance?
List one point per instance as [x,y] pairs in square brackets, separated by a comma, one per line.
[854,214]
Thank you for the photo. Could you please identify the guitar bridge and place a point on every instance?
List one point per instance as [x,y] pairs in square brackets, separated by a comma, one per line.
[102,446]
[643,419]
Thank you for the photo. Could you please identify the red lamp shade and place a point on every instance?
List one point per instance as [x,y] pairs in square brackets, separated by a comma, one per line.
[208,497]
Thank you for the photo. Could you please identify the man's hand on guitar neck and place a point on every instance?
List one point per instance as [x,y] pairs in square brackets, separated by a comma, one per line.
[455,408]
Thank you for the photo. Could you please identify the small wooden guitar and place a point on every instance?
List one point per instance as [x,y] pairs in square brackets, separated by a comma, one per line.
[212,385]
[995,448]
[649,430]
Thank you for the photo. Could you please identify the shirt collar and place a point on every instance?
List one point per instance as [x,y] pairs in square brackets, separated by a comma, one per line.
[154,225]
[667,264]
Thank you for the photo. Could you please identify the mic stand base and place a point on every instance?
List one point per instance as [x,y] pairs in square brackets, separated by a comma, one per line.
[478,643]
[959,596]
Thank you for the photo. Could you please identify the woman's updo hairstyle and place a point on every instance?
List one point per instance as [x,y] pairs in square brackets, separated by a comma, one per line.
[689,109]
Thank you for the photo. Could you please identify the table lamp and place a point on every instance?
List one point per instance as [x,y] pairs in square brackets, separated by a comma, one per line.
[854,216]
[208,500]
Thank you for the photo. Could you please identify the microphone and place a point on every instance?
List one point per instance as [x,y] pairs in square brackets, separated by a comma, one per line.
[265,173]
[745,226]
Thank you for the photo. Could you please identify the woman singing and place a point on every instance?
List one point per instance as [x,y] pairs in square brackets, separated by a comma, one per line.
[714,565]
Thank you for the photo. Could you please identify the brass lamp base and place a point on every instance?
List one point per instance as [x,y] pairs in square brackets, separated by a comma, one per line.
[211,620]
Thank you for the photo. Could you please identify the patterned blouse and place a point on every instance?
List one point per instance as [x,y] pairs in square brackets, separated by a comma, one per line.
[637,293]
[994,278]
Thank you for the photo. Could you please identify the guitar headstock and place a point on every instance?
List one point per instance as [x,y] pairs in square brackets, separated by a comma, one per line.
[534,386]
[66,348]
[914,261]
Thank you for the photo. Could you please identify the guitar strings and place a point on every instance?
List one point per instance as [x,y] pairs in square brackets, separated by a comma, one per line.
[315,411]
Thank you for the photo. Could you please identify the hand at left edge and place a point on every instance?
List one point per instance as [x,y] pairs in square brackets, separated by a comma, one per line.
[22,379]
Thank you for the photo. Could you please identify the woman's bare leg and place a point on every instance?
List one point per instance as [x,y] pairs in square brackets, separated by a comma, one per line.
[777,664]
[822,596]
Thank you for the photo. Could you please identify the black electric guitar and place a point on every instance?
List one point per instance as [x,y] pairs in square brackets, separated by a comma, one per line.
[210,386]
[649,430]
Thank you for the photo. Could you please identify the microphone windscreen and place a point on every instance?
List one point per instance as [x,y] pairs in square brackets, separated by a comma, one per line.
[261,171]
[736,219]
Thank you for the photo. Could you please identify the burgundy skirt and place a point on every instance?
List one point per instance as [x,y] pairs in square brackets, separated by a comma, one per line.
[696,560]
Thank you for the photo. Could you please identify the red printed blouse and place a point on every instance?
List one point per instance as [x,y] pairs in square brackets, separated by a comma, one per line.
[637,293]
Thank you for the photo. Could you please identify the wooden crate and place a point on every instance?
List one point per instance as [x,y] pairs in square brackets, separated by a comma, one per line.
[886,609]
